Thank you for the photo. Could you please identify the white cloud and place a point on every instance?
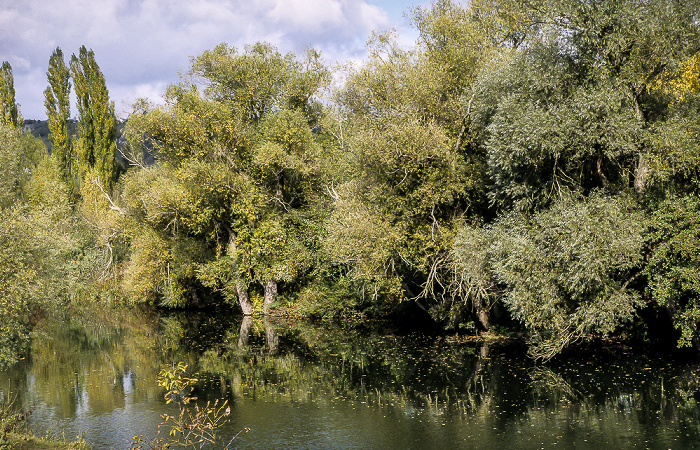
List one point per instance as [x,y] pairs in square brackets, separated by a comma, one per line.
[141,45]
[310,15]
[128,94]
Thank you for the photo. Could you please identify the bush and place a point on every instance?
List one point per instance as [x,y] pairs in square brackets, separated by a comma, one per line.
[563,273]
[674,267]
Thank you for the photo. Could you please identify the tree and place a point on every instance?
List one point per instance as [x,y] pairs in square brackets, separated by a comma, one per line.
[564,273]
[587,98]
[9,109]
[20,154]
[555,128]
[641,42]
[57,102]
[10,166]
[614,50]
[414,171]
[42,242]
[97,123]
[674,266]
[236,169]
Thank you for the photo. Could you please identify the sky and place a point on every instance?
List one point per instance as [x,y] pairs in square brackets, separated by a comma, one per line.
[143,45]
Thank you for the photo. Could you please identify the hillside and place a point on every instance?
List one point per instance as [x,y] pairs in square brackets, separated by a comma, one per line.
[40,129]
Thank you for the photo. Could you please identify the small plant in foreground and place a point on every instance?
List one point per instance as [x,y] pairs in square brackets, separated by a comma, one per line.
[11,420]
[195,426]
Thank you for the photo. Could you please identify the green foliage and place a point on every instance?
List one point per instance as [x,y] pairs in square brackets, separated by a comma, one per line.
[236,162]
[285,157]
[95,145]
[563,273]
[10,166]
[12,421]
[413,172]
[260,80]
[9,109]
[33,242]
[545,115]
[49,253]
[329,300]
[195,426]
[674,267]
[675,158]
[57,102]
[555,130]
[456,42]
[574,107]
[36,268]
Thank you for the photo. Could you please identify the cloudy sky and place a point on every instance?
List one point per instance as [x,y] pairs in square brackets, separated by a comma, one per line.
[142,45]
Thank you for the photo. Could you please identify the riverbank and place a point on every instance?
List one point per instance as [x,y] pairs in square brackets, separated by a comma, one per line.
[14,434]
[27,441]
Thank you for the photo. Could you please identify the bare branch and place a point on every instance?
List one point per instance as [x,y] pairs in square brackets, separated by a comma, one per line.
[465,121]
[114,207]
[131,159]
[334,195]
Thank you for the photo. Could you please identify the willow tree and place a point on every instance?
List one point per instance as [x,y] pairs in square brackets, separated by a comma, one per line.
[416,173]
[576,107]
[566,273]
[9,109]
[236,167]
[96,143]
[598,105]
[57,102]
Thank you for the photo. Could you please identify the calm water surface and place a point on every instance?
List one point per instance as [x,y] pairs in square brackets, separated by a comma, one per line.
[298,386]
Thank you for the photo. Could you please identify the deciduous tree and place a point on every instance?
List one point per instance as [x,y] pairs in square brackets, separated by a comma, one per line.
[95,144]
[237,164]
[564,273]
[57,102]
[9,109]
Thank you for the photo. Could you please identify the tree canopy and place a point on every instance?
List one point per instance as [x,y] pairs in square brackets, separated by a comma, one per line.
[532,164]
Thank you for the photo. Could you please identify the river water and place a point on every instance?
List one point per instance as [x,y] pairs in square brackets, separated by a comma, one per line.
[298,386]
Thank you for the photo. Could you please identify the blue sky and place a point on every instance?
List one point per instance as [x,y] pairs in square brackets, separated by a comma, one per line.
[142,45]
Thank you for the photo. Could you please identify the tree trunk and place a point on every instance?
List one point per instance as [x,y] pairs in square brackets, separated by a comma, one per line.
[483,315]
[241,289]
[599,168]
[270,295]
[243,299]
[244,333]
[273,340]
[640,175]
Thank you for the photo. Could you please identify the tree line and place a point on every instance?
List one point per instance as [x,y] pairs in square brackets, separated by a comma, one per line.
[528,163]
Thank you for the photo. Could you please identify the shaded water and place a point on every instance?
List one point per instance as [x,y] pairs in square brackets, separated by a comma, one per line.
[300,386]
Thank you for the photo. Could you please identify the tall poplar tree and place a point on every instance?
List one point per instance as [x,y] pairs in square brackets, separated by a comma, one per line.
[57,102]
[96,144]
[9,109]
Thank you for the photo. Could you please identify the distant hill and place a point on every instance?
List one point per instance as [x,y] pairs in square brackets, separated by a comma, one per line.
[40,129]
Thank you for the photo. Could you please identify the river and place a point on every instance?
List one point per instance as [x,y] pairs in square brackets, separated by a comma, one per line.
[294,385]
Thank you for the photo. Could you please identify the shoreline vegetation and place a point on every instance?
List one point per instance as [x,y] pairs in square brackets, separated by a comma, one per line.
[527,169]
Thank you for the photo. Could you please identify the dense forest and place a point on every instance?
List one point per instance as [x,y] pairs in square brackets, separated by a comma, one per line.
[529,166]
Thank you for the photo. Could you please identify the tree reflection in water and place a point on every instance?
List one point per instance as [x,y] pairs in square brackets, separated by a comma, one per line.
[83,371]
[272,338]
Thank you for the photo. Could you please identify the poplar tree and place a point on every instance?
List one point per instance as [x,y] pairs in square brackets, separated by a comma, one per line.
[57,102]
[9,109]
[96,143]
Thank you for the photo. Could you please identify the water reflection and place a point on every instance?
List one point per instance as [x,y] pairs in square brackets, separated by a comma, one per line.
[301,386]
[271,335]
